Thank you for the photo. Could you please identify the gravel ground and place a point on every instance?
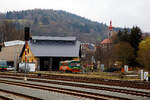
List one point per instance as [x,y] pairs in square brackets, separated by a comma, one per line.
[109,86]
[128,96]
[46,95]
[12,96]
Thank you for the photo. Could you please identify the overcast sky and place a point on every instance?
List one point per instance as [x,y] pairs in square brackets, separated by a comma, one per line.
[123,13]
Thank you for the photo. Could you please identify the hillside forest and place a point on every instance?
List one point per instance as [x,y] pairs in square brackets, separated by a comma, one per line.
[50,22]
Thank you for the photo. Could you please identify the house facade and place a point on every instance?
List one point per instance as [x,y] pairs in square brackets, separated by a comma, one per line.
[47,52]
[104,48]
[10,51]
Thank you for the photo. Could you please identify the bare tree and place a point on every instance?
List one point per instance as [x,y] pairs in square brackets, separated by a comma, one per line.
[123,52]
[104,54]
[8,31]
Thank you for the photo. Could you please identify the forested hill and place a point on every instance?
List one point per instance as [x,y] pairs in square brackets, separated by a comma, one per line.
[58,23]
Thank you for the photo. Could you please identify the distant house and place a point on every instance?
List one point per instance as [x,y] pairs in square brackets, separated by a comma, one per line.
[47,52]
[88,46]
[106,43]
[88,50]
[11,51]
[105,47]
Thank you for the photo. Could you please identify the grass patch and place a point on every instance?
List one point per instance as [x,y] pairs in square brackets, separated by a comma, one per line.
[102,75]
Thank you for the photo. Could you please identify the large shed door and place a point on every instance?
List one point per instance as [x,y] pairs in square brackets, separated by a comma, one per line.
[45,63]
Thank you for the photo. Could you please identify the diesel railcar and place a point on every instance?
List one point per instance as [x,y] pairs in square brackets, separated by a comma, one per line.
[70,66]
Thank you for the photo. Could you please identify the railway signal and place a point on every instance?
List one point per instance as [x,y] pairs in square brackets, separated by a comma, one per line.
[26,37]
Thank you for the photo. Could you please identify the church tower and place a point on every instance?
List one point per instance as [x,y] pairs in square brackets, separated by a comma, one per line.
[110,30]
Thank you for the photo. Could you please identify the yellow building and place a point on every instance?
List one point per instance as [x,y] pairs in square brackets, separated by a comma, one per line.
[30,57]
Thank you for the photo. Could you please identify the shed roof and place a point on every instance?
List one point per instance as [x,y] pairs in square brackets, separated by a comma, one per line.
[106,41]
[53,38]
[55,48]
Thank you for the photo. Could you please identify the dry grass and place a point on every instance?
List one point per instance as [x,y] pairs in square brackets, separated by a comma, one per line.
[103,75]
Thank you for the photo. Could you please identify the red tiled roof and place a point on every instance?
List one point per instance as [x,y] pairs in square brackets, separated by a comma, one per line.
[105,41]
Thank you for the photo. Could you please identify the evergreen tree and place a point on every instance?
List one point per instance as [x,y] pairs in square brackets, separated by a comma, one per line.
[122,36]
[135,38]
[125,36]
[116,38]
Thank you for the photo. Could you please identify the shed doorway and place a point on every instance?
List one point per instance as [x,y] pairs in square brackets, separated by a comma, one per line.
[45,64]
[51,63]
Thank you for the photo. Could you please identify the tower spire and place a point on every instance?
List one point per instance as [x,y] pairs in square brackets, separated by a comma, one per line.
[110,29]
[110,26]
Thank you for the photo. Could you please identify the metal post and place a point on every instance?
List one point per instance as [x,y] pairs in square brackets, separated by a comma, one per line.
[27,37]
[25,78]
[15,61]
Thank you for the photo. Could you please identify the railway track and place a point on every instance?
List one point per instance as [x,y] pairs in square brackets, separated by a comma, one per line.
[131,84]
[73,84]
[4,98]
[122,83]
[10,95]
[64,91]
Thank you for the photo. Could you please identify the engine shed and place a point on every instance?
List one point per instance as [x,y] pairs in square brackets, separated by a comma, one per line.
[47,52]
